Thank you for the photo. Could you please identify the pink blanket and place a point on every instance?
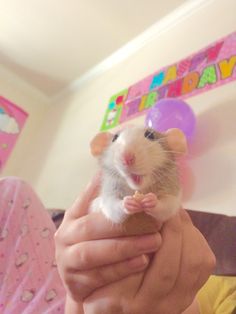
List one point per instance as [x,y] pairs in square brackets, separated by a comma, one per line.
[29,281]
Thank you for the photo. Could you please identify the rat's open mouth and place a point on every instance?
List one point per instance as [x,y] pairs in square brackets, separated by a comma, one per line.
[137,179]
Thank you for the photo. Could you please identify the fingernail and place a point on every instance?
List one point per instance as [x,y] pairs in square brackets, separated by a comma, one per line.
[148,243]
[138,262]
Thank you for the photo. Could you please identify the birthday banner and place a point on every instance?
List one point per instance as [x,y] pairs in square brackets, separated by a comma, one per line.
[209,68]
[12,119]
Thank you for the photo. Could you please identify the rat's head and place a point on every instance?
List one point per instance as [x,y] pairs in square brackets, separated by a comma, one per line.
[136,153]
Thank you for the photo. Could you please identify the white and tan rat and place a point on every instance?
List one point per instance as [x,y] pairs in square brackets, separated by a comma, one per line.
[139,159]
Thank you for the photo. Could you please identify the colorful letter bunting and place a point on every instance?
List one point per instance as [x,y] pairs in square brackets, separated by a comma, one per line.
[209,68]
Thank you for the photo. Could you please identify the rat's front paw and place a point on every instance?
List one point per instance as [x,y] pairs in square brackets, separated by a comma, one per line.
[149,202]
[131,205]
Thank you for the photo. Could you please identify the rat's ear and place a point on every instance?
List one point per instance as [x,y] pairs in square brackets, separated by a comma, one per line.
[176,140]
[99,143]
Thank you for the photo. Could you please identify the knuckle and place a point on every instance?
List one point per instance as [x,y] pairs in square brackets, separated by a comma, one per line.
[97,279]
[82,256]
[74,296]
[76,290]
[57,236]
[68,280]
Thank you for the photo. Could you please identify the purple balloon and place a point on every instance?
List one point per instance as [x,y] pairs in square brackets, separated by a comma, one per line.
[171,113]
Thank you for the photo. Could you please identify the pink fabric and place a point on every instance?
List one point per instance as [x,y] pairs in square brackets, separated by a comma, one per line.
[29,281]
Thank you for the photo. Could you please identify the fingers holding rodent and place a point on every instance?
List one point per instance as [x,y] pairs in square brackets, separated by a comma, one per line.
[166,262]
[91,227]
[189,269]
[66,234]
[95,227]
[197,258]
[197,262]
[92,254]
[85,282]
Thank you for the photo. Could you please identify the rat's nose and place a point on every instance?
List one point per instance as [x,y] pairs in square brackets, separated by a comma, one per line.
[128,159]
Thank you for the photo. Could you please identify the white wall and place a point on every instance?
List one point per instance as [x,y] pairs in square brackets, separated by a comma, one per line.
[35,104]
[62,156]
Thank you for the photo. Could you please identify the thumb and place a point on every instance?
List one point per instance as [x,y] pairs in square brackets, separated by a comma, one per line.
[82,203]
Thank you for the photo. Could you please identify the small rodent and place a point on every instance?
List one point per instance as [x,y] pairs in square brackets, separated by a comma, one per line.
[140,159]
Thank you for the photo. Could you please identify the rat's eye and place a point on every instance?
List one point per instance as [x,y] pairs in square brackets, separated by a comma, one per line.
[150,135]
[115,137]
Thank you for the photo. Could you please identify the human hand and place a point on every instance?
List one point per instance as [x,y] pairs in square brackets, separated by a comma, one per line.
[91,252]
[168,286]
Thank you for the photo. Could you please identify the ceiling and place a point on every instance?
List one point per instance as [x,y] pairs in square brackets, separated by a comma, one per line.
[50,43]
